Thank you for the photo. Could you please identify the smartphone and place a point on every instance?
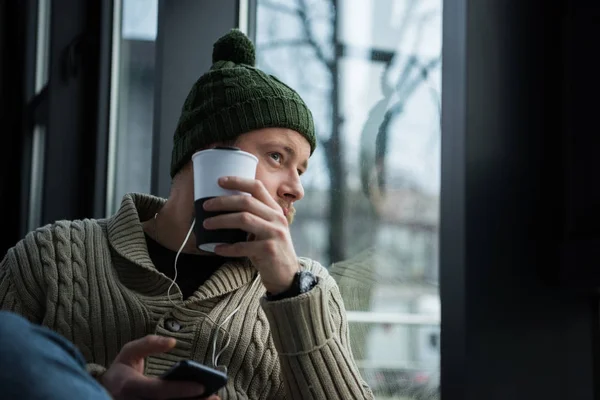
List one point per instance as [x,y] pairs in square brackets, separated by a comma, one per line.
[188,370]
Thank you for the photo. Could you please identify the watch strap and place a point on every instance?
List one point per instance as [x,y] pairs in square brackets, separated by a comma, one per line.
[303,282]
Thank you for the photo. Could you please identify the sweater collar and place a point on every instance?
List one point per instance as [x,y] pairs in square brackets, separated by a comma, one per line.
[125,232]
[126,236]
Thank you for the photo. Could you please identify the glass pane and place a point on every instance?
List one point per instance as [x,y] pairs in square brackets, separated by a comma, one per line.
[134,101]
[371,73]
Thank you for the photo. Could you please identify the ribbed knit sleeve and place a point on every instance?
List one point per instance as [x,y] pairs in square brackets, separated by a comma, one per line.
[310,333]
[39,282]
[9,299]
[21,288]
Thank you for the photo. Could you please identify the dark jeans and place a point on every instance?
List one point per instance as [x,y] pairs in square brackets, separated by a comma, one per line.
[36,363]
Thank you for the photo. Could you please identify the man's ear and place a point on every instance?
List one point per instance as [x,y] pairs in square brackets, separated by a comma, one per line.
[188,166]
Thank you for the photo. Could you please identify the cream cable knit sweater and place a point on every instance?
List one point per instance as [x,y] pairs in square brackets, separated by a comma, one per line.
[93,282]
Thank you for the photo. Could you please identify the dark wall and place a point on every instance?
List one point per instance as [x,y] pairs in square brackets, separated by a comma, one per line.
[187,30]
[72,102]
[12,73]
[516,187]
[69,109]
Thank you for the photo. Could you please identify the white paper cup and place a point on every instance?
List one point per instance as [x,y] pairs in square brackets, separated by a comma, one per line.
[209,166]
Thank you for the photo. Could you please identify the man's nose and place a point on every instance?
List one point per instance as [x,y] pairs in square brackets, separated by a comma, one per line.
[292,189]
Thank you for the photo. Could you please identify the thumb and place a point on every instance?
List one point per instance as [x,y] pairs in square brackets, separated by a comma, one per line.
[139,349]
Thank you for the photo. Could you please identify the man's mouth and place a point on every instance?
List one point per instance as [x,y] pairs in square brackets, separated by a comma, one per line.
[285,207]
[289,212]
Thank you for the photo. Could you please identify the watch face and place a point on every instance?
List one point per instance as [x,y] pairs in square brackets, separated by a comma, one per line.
[306,281]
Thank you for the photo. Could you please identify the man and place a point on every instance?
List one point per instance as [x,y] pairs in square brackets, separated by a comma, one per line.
[274,321]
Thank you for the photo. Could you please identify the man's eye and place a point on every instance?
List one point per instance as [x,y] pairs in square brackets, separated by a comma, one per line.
[276,156]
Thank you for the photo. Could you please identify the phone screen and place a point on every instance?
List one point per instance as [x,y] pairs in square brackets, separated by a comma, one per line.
[188,370]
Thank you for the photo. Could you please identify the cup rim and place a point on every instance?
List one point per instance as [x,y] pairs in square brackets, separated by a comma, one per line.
[241,152]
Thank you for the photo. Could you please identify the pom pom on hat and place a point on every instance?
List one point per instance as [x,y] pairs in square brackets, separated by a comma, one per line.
[236,47]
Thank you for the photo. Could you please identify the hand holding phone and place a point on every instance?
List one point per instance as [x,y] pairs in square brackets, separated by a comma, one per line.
[125,378]
[188,370]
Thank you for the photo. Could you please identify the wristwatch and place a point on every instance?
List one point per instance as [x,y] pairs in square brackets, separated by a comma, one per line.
[303,282]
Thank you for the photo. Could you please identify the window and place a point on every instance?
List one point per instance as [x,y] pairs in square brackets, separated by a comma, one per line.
[371,74]
[132,104]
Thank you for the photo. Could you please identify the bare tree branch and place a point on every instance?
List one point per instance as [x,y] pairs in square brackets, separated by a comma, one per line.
[283,43]
[308,84]
[285,9]
[302,13]
[405,91]
[402,30]
[427,67]
[412,60]
[406,72]
[282,8]
[423,19]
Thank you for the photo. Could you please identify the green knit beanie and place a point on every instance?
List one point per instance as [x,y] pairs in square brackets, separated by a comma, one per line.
[235,97]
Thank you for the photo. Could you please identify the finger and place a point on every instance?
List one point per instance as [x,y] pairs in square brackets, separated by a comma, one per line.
[242,203]
[244,221]
[139,349]
[252,186]
[243,249]
[159,389]
[240,249]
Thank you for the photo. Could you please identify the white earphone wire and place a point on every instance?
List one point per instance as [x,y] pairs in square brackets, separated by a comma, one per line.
[215,357]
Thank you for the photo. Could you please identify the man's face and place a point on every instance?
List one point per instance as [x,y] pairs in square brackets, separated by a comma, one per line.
[282,157]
